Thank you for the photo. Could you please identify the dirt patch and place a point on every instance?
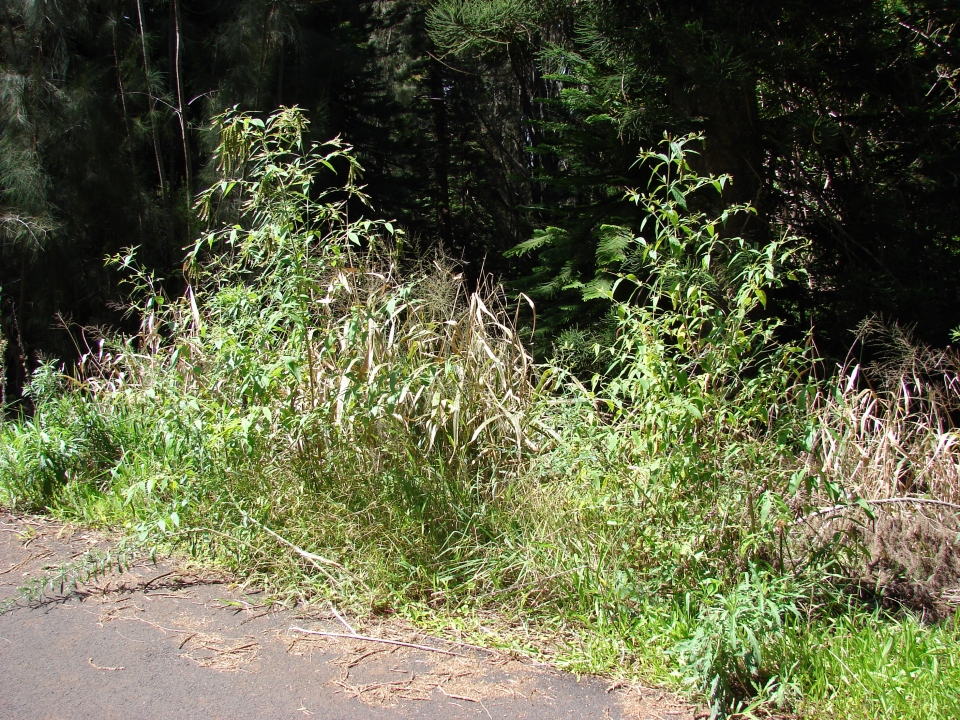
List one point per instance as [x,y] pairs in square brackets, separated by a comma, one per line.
[383,674]
[640,702]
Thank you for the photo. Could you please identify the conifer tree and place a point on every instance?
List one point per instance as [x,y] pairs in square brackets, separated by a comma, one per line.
[835,120]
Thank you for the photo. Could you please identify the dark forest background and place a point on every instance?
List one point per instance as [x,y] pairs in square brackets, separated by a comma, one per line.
[503,131]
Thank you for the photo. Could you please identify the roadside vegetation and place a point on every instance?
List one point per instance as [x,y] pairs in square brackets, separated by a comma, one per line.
[689,500]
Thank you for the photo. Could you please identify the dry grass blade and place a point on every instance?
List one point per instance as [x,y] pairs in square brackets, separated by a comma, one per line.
[366,638]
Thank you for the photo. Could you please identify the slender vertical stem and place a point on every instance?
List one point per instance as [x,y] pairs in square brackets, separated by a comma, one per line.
[123,94]
[126,118]
[152,103]
[442,156]
[23,297]
[280,78]
[181,110]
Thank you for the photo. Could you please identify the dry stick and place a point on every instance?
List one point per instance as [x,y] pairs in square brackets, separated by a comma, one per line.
[888,501]
[359,690]
[469,645]
[158,626]
[921,501]
[232,650]
[374,686]
[158,577]
[357,661]
[97,667]
[468,699]
[367,638]
[456,697]
[342,620]
[19,565]
[314,559]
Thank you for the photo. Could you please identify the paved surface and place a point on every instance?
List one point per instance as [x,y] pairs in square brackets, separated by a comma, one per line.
[166,642]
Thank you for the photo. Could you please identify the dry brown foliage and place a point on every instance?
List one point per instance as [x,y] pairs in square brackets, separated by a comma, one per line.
[888,438]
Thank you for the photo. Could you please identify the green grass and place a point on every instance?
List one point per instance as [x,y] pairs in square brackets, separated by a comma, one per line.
[868,665]
[536,569]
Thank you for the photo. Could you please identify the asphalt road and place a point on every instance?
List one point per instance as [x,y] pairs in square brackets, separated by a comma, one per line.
[165,641]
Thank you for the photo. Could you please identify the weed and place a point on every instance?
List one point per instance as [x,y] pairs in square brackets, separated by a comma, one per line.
[68,577]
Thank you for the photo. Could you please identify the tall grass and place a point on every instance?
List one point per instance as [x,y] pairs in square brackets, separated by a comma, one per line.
[335,419]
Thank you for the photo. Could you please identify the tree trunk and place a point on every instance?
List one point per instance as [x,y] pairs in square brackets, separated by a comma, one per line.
[733,144]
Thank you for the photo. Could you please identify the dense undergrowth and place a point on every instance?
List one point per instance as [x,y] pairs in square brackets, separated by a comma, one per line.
[336,420]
